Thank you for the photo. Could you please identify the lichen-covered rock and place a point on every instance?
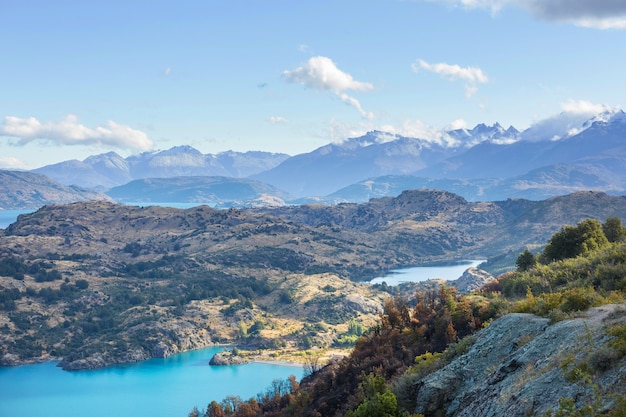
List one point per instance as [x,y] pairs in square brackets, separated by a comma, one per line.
[516,367]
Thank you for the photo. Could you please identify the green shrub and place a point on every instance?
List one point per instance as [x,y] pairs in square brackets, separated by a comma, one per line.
[619,343]
[580,299]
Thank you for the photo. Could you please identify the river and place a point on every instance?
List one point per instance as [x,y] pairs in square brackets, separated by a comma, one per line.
[156,388]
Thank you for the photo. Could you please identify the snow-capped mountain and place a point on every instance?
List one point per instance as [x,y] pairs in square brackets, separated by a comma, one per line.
[567,152]
[334,166]
[110,169]
[476,160]
[483,133]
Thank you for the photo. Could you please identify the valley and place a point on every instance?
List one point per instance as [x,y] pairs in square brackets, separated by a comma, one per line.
[97,283]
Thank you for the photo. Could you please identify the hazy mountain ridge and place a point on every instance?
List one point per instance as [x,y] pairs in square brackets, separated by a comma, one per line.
[214,191]
[25,190]
[484,163]
[110,169]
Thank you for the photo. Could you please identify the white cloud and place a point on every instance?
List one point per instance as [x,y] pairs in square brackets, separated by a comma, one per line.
[320,73]
[597,14]
[584,107]
[11,163]
[69,132]
[357,105]
[277,120]
[418,129]
[167,71]
[570,121]
[471,75]
[456,125]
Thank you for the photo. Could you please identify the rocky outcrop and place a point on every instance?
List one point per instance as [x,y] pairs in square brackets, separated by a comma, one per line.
[361,304]
[102,360]
[163,350]
[472,280]
[226,358]
[519,366]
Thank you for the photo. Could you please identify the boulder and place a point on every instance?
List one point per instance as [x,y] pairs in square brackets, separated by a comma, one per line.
[515,367]
[226,358]
[471,280]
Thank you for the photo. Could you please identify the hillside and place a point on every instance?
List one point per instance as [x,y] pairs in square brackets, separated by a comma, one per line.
[558,350]
[24,190]
[99,283]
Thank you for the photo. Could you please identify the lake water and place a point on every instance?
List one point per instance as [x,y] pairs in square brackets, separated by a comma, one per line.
[10,216]
[448,272]
[156,388]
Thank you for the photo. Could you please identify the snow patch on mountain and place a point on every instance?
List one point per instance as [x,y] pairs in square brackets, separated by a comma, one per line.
[568,123]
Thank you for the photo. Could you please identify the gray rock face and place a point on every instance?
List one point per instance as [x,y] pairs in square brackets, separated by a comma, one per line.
[163,350]
[471,280]
[515,367]
[359,303]
[102,360]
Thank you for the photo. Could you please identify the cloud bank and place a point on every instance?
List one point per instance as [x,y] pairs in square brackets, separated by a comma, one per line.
[572,120]
[69,132]
[320,73]
[597,14]
[471,75]
[11,163]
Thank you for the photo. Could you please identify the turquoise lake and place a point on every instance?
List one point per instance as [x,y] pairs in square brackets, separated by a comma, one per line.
[449,271]
[156,388]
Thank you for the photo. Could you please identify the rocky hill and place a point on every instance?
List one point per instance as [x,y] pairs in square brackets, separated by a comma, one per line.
[546,340]
[24,190]
[522,366]
[99,283]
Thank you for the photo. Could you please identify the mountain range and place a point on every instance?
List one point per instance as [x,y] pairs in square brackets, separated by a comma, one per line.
[556,156]
[27,190]
[110,169]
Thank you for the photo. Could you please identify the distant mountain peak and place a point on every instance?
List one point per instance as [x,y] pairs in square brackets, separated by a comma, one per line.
[182,149]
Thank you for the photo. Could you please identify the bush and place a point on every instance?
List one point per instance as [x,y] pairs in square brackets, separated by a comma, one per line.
[580,299]
[82,284]
[603,358]
[572,241]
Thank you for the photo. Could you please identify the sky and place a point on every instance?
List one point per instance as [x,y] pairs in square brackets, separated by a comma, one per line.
[130,76]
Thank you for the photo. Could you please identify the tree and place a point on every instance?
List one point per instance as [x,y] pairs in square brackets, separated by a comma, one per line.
[572,241]
[525,261]
[82,284]
[311,364]
[378,400]
[614,230]
[214,410]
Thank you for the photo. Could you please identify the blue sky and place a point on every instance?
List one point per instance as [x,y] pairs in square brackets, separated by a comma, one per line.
[81,78]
